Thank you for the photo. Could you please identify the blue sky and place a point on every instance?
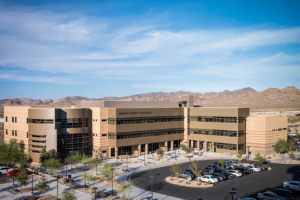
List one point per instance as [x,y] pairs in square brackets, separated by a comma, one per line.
[54,49]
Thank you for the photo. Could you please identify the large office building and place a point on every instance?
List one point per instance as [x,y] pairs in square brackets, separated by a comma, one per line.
[114,128]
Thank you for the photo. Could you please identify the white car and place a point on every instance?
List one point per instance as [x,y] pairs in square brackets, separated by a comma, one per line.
[269,195]
[254,168]
[4,170]
[236,173]
[292,185]
[208,178]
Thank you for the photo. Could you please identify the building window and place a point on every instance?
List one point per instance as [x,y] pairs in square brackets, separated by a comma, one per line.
[6,119]
[15,119]
[280,129]
[16,133]
[225,146]
[27,120]
[6,131]
[104,135]
[12,119]
[217,119]
[38,136]
[35,151]
[104,120]
[41,121]
[27,134]
[284,129]
[12,132]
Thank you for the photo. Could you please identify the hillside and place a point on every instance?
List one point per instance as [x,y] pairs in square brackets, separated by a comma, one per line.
[269,99]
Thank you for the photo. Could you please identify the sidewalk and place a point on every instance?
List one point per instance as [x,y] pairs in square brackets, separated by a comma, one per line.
[133,167]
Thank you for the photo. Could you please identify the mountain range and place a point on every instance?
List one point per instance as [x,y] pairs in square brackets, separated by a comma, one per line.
[269,99]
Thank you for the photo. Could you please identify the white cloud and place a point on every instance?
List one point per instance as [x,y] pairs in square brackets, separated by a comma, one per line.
[55,43]
[57,80]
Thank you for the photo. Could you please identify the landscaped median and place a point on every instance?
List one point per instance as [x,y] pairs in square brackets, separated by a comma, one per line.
[186,183]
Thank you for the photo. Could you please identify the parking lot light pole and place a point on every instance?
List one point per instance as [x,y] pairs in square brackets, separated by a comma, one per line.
[85,174]
[57,185]
[144,156]
[32,181]
[232,192]
[248,152]
[175,150]
[127,162]
[112,181]
[151,177]
[205,193]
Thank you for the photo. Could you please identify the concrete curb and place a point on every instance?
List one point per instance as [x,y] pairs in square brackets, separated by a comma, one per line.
[188,185]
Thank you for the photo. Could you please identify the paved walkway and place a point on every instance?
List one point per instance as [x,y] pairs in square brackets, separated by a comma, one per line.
[150,163]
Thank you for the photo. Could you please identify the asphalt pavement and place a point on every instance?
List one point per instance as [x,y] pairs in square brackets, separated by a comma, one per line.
[248,185]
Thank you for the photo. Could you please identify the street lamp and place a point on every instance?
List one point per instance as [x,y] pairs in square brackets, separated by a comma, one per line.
[144,156]
[13,162]
[84,174]
[151,177]
[95,188]
[112,181]
[127,162]
[205,193]
[248,152]
[175,150]
[57,185]
[232,192]
[32,179]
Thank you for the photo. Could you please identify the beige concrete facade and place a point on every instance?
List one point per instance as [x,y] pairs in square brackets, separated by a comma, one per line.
[264,131]
[114,128]
[215,133]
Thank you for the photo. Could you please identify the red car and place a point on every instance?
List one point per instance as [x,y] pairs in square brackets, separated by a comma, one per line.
[14,172]
[294,141]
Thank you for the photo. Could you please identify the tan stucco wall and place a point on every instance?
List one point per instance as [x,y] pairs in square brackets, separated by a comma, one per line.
[260,135]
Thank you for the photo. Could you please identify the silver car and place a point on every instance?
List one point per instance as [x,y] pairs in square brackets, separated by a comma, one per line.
[269,195]
[4,170]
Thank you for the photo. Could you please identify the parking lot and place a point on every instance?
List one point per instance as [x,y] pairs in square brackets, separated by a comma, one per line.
[248,185]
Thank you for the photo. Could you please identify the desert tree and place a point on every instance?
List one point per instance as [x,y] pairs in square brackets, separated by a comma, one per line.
[52,164]
[186,149]
[194,166]
[23,177]
[42,185]
[108,171]
[221,161]
[176,169]
[125,187]
[160,153]
[68,195]
[239,155]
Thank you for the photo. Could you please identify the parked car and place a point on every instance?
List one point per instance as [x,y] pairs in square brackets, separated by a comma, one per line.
[295,142]
[224,172]
[244,170]
[283,193]
[236,164]
[208,178]
[262,167]
[269,195]
[186,175]
[207,170]
[292,185]
[4,170]
[190,172]
[217,163]
[254,168]
[14,172]
[236,173]
[220,177]
[227,165]
[214,166]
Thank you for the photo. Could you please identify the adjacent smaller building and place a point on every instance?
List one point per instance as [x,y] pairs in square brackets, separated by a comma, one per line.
[263,132]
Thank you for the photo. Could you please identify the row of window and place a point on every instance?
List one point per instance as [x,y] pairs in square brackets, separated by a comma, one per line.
[229,146]
[13,119]
[217,119]
[280,129]
[140,120]
[13,132]
[37,146]
[144,133]
[217,132]
[65,123]
[38,141]
[38,136]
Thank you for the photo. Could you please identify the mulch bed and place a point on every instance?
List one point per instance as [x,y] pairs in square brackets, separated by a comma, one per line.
[21,190]
[44,197]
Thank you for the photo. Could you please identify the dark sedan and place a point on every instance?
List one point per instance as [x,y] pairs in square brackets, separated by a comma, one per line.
[262,167]
[244,170]
[283,193]
[224,172]
[220,177]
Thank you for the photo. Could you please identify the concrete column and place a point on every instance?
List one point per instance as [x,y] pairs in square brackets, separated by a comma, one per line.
[166,146]
[192,144]
[198,145]
[205,146]
[116,152]
[139,149]
[172,145]
[146,149]
[212,146]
